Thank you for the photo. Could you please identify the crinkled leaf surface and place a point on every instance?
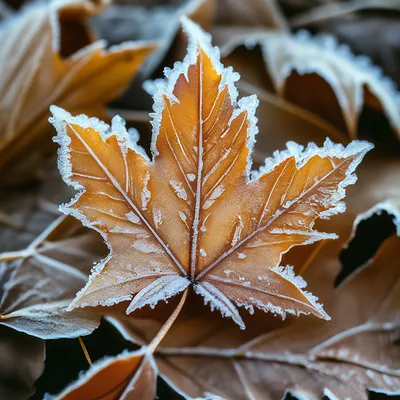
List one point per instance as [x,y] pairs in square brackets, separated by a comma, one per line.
[308,358]
[194,215]
[48,56]
[319,75]
[131,375]
[38,283]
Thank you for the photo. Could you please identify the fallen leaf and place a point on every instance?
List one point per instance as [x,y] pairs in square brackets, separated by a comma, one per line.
[318,74]
[266,13]
[193,215]
[49,55]
[293,123]
[131,375]
[308,358]
[349,21]
[39,282]
[332,10]
[21,363]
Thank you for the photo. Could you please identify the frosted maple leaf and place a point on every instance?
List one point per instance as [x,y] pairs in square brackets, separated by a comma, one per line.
[194,215]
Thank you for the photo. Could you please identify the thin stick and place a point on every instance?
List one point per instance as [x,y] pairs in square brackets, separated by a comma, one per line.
[85,352]
[14,255]
[312,256]
[166,327]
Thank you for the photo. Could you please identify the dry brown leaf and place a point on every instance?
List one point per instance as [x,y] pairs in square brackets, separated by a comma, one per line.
[332,10]
[350,20]
[293,123]
[49,56]
[39,282]
[21,363]
[308,358]
[194,215]
[130,376]
[264,13]
[323,77]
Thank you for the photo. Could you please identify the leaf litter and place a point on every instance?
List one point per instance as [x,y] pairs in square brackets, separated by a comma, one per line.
[306,357]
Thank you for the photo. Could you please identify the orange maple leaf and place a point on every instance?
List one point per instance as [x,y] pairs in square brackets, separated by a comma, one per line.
[195,214]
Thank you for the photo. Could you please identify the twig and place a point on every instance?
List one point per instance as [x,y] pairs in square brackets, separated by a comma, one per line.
[312,256]
[166,327]
[85,352]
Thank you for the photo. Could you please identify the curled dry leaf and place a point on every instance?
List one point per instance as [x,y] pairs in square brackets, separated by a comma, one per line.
[350,20]
[194,215]
[49,55]
[38,283]
[308,358]
[131,375]
[21,363]
[324,77]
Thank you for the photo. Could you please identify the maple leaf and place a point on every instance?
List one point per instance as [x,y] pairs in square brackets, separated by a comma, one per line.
[308,358]
[39,282]
[131,375]
[194,215]
[318,74]
[57,60]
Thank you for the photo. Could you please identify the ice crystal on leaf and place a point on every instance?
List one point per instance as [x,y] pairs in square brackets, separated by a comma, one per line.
[194,211]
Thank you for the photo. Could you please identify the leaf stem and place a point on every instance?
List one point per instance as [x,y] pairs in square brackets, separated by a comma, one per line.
[166,327]
[85,352]
[311,257]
